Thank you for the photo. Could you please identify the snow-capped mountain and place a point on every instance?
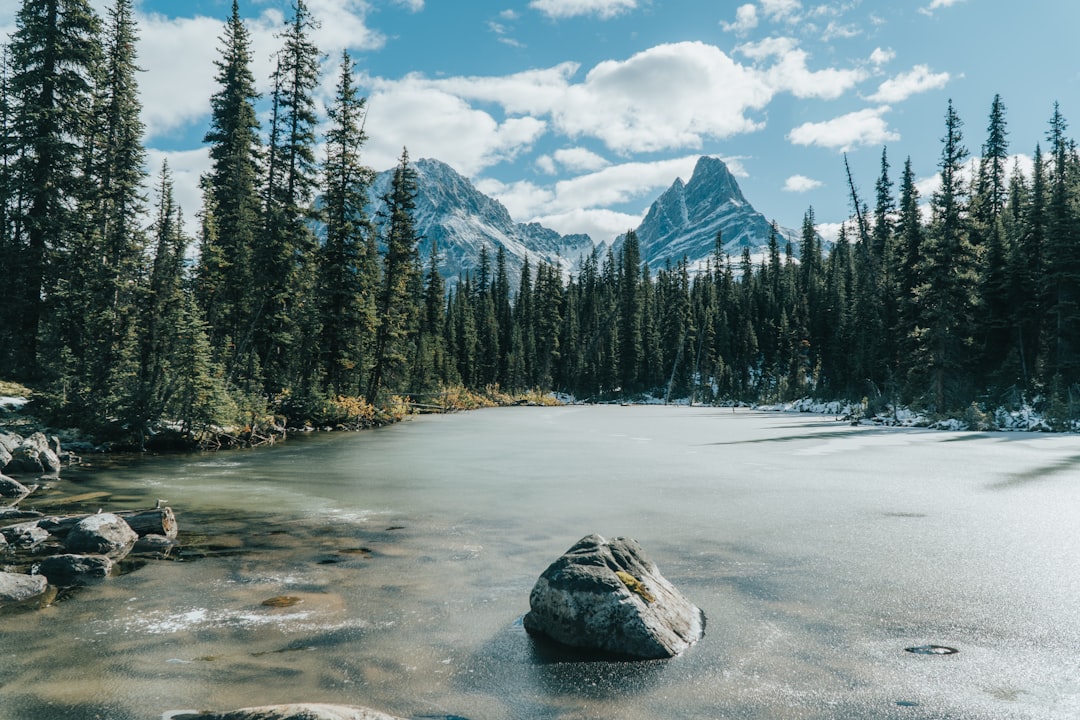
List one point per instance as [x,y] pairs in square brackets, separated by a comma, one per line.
[451,212]
[685,219]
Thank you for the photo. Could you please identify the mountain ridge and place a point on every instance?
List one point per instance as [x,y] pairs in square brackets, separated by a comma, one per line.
[681,222]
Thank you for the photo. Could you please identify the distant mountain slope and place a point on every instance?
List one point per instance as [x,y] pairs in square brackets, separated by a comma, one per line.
[451,212]
[684,220]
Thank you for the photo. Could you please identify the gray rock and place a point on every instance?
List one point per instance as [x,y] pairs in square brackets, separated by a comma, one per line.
[5,457]
[609,597]
[33,456]
[305,711]
[69,570]
[9,441]
[24,535]
[11,491]
[16,588]
[155,544]
[102,534]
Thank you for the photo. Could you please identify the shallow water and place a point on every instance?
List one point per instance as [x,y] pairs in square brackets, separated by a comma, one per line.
[819,552]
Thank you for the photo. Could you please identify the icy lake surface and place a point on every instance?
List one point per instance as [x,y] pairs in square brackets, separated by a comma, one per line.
[820,553]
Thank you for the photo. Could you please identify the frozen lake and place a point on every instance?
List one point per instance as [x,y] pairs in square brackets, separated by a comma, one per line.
[818,551]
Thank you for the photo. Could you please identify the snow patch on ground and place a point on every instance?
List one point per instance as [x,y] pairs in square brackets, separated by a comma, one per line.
[9,401]
[1024,419]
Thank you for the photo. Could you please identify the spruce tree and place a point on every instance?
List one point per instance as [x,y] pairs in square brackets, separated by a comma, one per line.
[630,315]
[1062,269]
[946,295]
[347,262]
[225,271]
[396,303]
[55,55]
[284,255]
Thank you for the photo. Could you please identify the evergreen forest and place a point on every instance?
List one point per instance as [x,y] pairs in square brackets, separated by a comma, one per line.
[293,303]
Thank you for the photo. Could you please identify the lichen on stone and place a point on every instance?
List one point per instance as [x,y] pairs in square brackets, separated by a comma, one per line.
[634,585]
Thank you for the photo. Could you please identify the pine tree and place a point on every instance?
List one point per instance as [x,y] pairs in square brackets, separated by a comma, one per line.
[396,304]
[283,257]
[993,333]
[55,55]
[225,272]
[159,315]
[947,294]
[111,241]
[1062,269]
[630,315]
[347,262]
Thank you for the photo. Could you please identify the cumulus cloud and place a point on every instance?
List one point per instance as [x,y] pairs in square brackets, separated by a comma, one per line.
[583,203]
[436,123]
[412,5]
[746,19]
[919,79]
[837,30]
[789,71]
[669,96]
[782,10]
[863,127]
[801,184]
[558,9]
[175,94]
[882,56]
[580,159]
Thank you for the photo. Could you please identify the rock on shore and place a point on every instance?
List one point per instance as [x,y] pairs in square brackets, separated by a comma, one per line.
[306,711]
[608,596]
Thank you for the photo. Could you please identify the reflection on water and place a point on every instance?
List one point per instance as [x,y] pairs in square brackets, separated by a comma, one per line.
[392,568]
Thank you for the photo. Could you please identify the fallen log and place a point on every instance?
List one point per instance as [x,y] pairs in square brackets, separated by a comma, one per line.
[155,521]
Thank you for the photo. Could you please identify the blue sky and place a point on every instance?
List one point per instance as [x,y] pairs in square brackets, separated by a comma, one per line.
[578,113]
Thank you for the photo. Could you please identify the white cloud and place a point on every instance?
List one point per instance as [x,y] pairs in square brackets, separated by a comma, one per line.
[782,10]
[434,123]
[669,96]
[882,56]
[580,159]
[863,127]
[919,79]
[830,232]
[546,165]
[789,71]
[557,9]
[613,185]
[746,19]
[175,93]
[603,226]
[836,30]
[801,184]
[412,5]
[937,5]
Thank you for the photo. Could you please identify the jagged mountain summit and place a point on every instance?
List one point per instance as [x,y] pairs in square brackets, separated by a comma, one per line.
[684,220]
[451,212]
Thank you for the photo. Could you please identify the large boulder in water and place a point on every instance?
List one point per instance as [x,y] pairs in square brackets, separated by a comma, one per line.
[306,711]
[16,588]
[72,570]
[33,456]
[103,534]
[608,596]
[11,491]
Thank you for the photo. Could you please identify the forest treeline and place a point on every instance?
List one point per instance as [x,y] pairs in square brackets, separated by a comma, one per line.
[293,302]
